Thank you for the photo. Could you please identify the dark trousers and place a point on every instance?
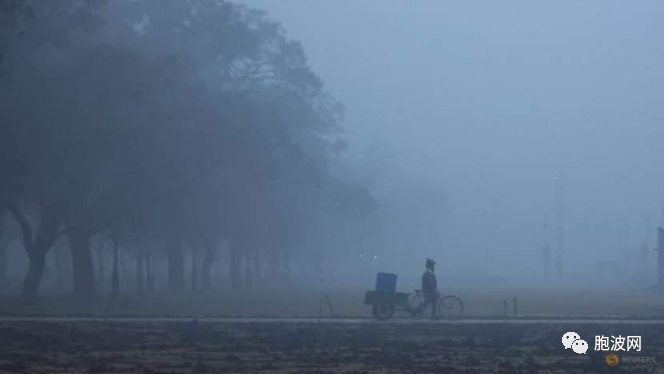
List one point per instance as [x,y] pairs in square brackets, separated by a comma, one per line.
[430,299]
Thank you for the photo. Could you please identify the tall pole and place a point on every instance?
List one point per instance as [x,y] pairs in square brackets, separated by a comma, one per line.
[645,245]
[546,251]
[660,260]
[559,197]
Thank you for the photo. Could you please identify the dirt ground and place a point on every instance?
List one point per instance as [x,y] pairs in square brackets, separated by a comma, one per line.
[309,347]
[278,347]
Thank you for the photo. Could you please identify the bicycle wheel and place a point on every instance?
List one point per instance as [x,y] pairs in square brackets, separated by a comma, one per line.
[383,312]
[450,307]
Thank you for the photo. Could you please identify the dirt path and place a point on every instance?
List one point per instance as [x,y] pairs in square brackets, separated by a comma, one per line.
[561,320]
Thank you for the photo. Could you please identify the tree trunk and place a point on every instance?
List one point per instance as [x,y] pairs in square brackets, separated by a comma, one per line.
[5,240]
[47,276]
[258,274]
[59,271]
[36,245]
[235,263]
[206,266]
[35,274]
[248,278]
[194,268]
[78,233]
[287,266]
[100,265]
[175,264]
[272,267]
[150,281]
[140,276]
[4,279]
[82,264]
[123,264]
[37,255]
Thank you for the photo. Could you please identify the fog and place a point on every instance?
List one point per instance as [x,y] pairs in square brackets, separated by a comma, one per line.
[331,186]
[487,102]
[315,143]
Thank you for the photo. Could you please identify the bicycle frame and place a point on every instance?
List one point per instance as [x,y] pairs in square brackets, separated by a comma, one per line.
[416,298]
[416,302]
[384,309]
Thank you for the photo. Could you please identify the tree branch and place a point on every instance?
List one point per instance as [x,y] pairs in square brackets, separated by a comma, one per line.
[21,219]
[92,229]
[5,243]
[49,222]
[57,236]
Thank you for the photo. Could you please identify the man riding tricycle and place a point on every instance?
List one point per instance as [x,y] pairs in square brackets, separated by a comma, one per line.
[386,301]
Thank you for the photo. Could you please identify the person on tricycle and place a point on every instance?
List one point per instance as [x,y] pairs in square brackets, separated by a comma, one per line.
[429,288]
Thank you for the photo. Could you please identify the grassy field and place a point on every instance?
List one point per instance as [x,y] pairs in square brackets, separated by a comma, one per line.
[479,303]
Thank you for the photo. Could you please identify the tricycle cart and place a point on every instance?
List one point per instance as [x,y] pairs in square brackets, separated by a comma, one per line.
[385,304]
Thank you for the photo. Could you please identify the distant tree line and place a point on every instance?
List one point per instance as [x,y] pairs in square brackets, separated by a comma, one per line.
[169,126]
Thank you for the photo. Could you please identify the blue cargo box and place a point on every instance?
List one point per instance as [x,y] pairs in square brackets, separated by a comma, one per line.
[386,282]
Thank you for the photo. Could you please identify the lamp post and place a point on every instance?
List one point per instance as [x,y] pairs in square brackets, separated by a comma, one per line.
[546,251]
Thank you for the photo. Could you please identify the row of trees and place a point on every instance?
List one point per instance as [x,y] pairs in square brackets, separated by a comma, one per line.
[169,125]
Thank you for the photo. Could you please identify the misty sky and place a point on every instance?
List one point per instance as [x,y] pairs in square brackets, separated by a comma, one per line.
[490,99]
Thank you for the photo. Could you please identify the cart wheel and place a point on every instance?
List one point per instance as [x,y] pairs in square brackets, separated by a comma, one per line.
[383,312]
[450,307]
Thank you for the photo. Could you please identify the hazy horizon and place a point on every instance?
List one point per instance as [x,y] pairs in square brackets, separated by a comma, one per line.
[490,101]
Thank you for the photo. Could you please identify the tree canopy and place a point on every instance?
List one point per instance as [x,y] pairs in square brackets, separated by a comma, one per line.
[174,121]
